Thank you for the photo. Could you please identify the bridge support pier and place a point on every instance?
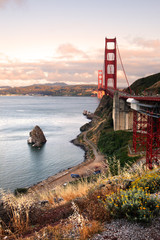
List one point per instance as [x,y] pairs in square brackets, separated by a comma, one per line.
[122,115]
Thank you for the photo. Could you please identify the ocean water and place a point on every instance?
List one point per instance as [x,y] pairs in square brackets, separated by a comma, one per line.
[60,119]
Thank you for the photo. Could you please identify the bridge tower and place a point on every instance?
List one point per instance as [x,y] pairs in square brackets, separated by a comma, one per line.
[100,84]
[110,62]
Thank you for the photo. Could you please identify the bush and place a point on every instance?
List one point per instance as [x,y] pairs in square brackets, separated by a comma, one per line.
[134,204]
[20,191]
[92,207]
[149,182]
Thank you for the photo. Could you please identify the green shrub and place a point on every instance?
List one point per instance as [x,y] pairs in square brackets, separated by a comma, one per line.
[115,145]
[134,204]
[18,191]
[109,142]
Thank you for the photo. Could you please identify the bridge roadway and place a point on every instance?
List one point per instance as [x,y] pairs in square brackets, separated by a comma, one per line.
[125,95]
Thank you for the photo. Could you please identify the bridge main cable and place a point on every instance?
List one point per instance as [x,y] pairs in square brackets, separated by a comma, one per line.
[123,69]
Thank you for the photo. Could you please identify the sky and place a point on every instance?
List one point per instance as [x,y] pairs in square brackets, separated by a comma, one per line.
[47,41]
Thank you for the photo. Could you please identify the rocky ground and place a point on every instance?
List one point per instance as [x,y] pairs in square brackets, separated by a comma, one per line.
[121,229]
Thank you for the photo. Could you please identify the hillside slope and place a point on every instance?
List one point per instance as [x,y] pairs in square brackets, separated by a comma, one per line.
[146,83]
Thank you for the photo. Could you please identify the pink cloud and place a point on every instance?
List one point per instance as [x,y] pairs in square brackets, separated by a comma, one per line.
[147,43]
[138,62]
[69,51]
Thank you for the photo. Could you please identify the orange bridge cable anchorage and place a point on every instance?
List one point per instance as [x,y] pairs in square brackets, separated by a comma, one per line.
[123,69]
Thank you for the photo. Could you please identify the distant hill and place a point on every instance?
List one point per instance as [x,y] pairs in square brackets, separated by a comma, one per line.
[5,87]
[53,84]
[150,84]
[55,89]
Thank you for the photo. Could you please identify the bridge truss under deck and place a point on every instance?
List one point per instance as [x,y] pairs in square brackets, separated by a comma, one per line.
[146,135]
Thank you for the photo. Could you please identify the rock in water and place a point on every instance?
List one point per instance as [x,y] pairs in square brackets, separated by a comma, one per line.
[37,138]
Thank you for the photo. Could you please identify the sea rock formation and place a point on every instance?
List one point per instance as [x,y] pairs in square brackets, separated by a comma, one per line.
[37,138]
[88,114]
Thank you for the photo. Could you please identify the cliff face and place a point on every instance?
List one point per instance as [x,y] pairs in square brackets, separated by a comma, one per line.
[102,120]
[104,110]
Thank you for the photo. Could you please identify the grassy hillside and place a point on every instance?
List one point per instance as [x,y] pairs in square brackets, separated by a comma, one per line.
[115,146]
[143,84]
[155,88]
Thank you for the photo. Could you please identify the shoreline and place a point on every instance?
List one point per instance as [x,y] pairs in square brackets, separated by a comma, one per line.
[84,169]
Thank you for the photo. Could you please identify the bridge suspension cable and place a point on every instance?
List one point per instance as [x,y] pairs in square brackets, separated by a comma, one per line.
[123,69]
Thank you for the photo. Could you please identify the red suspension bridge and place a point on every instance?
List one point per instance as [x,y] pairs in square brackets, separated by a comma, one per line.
[145,109]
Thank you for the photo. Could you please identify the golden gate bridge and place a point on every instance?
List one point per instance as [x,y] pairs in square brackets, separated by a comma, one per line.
[145,109]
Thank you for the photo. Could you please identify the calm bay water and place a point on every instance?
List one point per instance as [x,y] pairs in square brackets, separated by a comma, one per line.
[60,119]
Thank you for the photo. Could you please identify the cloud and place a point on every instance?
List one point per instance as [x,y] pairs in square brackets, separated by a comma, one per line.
[147,43]
[69,51]
[72,65]
[3,3]
[141,58]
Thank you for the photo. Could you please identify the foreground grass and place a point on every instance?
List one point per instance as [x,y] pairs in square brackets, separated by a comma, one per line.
[77,211]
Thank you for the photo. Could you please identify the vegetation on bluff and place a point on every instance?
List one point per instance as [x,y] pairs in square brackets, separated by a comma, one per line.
[147,84]
[115,146]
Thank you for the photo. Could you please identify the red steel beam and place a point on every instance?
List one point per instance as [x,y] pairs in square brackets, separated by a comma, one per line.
[110,62]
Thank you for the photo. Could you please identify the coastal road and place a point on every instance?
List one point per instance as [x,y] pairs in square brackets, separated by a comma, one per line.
[98,156]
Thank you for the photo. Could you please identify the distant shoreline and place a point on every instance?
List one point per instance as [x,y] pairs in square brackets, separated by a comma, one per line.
[51,90]
[37,95]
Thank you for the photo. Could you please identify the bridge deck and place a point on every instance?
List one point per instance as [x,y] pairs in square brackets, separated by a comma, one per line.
[125,95]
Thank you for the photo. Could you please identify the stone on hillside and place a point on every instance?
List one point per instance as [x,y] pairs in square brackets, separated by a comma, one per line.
[37,138]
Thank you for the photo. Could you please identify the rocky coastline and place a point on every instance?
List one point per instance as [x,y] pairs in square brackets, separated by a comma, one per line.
[77,143]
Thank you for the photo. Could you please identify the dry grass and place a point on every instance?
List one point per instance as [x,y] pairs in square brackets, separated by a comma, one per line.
[89,230]
[59,232]
[75,227]
[74,191]
[66,231]
[18,213]
[67,193]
